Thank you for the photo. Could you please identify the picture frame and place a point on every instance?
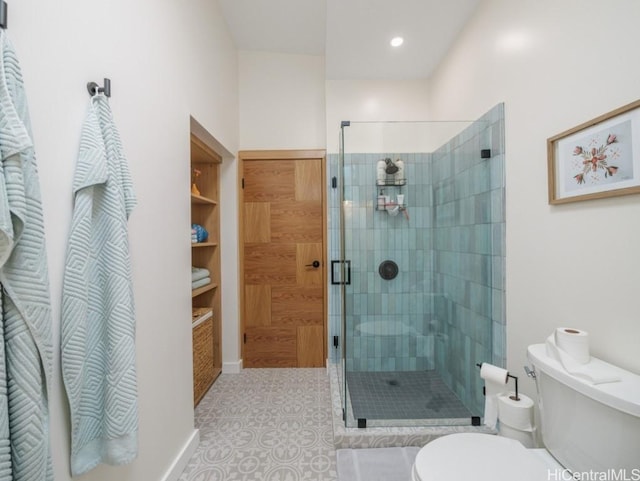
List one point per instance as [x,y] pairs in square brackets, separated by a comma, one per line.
[597,159]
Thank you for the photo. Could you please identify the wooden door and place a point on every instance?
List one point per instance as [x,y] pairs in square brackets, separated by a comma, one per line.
[283,260]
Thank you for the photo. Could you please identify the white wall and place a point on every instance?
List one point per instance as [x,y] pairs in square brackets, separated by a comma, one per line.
[282,104]
[555,65]
[166,60]
[374,100]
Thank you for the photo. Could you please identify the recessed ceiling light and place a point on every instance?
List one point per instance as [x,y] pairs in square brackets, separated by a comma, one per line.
[397,41]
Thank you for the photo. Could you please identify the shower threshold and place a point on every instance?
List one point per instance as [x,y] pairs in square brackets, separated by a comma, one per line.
[389,433]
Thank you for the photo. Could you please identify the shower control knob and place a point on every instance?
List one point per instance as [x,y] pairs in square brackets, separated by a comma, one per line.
[314,264]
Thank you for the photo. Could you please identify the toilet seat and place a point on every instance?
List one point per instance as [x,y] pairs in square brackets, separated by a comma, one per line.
[478,457]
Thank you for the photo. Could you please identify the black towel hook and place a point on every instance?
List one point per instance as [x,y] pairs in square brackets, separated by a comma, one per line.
[94,88]
[3,14]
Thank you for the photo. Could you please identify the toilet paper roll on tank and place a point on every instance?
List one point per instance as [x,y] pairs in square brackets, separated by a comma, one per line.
[574,342]
[570,347]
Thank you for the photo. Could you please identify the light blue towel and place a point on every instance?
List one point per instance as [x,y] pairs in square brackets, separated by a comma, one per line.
[200,283]
[98,322]
[26,351]
[198,273]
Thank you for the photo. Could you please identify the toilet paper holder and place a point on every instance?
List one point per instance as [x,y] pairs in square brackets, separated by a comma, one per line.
[516,397]
[515,378]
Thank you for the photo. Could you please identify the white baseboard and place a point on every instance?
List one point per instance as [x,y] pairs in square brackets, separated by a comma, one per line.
[232,367]
[178,465]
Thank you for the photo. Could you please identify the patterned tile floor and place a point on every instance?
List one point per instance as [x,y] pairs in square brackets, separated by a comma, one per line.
[265,425]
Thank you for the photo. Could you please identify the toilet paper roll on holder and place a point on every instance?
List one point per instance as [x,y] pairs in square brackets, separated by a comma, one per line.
[515,378]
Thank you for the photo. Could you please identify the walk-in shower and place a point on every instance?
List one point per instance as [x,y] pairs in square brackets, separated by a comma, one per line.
[417,289]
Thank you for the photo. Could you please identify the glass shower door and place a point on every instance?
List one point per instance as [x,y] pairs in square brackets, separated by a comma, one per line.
[417,259]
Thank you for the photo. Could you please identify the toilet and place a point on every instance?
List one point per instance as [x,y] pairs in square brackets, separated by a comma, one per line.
[585,428]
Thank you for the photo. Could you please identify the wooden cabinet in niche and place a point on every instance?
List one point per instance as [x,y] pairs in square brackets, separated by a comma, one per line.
[205,293]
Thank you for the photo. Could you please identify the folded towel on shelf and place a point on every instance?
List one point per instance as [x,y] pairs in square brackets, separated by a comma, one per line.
[198,273]
[200,283]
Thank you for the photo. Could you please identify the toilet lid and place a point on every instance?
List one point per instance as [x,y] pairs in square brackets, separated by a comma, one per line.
[477,457]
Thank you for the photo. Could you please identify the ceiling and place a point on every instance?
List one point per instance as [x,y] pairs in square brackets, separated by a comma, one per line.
[353,35]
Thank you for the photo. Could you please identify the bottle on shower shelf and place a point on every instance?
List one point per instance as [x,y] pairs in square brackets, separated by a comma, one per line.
[381,174]
[399,176]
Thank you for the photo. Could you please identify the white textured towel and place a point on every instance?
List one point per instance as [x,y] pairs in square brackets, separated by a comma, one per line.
[98,322]
[26,351]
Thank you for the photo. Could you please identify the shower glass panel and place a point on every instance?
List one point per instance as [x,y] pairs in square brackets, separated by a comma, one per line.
[420,236]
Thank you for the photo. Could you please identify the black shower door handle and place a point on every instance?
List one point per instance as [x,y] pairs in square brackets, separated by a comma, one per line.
[346,271]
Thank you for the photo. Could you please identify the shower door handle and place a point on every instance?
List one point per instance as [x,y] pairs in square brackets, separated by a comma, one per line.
[346,272]
[314,264]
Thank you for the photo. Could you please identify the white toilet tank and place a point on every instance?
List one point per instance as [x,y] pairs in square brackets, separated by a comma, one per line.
[586,426]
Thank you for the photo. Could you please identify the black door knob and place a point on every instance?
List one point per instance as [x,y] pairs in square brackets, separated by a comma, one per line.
[314,264]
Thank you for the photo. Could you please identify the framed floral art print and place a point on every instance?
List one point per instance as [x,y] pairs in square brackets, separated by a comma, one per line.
[599,158]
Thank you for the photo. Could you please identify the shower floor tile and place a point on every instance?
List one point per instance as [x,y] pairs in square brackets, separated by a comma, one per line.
[403,395]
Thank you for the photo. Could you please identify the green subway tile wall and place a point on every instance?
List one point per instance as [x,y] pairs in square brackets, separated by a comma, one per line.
[445,309]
